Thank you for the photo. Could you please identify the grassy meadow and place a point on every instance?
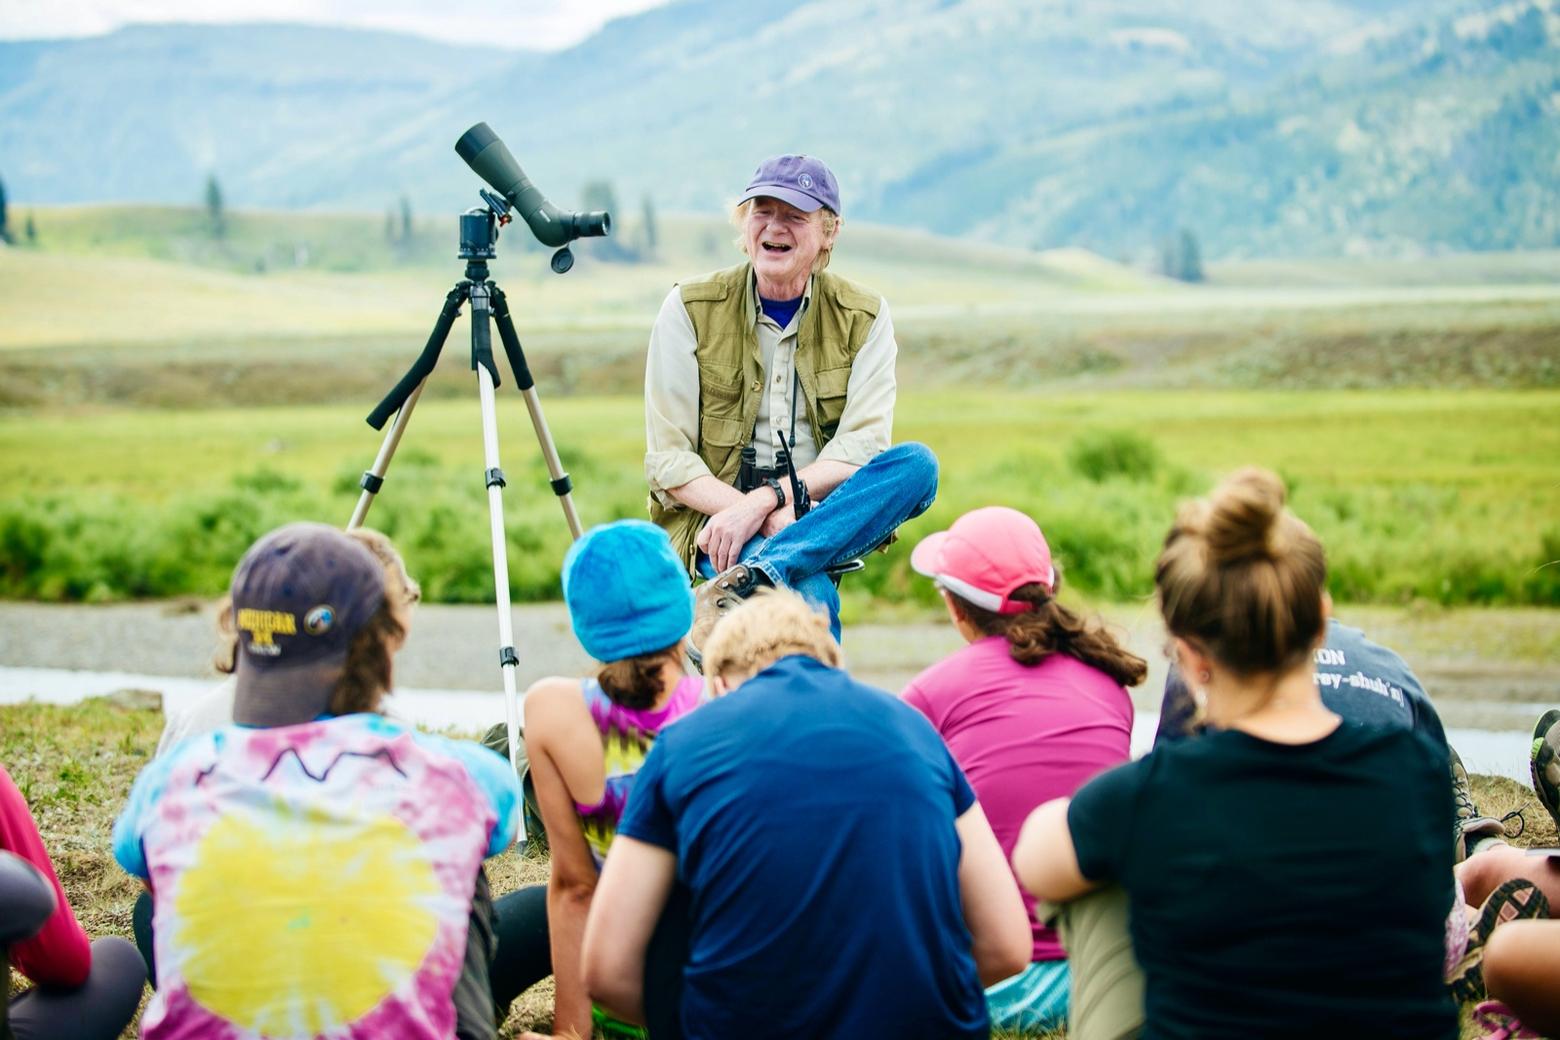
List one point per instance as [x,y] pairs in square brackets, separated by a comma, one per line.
[166,396]
[1446,497]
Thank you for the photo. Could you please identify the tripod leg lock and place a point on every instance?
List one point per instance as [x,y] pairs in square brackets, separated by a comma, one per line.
[495,478]
[562,486]
[371,482]
[508,658]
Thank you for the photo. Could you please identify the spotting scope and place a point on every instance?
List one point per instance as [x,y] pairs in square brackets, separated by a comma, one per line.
[487,156]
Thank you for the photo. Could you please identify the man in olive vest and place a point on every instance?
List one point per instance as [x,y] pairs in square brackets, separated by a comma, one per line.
[769,371]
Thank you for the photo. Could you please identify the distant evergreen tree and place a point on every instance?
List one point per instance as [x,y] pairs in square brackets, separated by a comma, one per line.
[5,227]
[406,220]
[649,231]
[216,214]
[1181,257]
[599,195]
[30,229]
[1190,267]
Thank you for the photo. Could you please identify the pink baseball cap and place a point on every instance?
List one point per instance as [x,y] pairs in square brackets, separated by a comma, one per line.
[985,555]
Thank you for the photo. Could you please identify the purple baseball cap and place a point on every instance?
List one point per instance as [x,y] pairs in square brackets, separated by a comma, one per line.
[800,180]
[299,596]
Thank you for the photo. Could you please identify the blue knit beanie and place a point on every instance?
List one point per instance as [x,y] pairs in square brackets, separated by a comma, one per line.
[627,591]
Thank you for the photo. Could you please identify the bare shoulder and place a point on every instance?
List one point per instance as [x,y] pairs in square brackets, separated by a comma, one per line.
[552,702]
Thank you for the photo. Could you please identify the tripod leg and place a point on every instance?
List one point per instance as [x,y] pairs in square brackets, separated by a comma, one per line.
[402,399]
[374,477]
[561,484]
[481,348]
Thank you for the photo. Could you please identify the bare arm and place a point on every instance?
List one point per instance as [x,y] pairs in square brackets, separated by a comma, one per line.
[560,739]
[993,910]
[634,888]
[1044,858]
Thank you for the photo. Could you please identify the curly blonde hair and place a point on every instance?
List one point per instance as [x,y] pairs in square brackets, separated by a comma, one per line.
[771,624]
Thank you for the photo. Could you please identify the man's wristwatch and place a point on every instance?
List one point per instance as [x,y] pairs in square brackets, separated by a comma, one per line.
[774,485]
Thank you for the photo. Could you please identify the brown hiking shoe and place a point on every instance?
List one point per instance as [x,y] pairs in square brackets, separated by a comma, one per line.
[714,600]
[1474,829]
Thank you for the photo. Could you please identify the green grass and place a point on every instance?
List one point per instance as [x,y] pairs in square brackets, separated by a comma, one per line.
[139,305]
[75,766]
[1450,498]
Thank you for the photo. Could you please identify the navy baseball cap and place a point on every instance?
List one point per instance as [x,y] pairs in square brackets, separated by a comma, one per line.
[800,180]
[299,596]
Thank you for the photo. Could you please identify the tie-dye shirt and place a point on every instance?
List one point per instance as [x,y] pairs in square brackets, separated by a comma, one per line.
[313,881]
[627,735]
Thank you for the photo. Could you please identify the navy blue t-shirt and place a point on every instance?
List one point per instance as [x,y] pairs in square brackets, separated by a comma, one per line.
[813,821]
[1360,680]
[781,311]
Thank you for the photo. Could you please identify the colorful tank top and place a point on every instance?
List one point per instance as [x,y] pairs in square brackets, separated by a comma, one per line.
[627,735]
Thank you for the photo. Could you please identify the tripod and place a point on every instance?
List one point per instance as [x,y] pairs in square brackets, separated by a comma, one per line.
[479,233]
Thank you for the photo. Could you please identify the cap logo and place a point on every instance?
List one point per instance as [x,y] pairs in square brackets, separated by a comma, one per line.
[263,624]
[806,181]
[318,621]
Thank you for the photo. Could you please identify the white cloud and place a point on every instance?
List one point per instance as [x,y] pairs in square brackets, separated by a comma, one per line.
[531,24]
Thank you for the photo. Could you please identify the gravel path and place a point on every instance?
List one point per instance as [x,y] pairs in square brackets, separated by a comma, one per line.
[456,648]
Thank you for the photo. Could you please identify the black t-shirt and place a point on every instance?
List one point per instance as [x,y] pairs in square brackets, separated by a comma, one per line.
[1281,890]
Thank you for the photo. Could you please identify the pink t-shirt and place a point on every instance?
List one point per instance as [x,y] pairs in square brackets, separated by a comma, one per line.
[1024,735]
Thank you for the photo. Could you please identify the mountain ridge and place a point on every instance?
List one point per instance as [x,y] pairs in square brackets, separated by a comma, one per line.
[1267,127]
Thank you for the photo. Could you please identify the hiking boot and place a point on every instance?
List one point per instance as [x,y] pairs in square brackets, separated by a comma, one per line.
[715,599]
[1545,762]
[1473,828]
[1516,900]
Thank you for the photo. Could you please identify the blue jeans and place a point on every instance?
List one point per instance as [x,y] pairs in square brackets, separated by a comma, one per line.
[897,485]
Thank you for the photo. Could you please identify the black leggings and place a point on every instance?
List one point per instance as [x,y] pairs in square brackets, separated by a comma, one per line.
[100,1007]
[524,955]
[524,959]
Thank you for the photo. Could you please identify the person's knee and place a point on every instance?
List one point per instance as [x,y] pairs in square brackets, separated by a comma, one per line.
[118,976]
[1486,870]
[918,459]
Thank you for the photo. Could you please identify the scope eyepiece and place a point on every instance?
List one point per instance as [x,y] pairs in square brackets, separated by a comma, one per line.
[592,225]
[489,158]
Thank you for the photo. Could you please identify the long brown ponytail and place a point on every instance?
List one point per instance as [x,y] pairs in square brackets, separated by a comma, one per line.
[1048,628]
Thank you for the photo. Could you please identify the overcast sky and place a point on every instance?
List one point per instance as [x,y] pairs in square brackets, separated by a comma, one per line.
[537,24]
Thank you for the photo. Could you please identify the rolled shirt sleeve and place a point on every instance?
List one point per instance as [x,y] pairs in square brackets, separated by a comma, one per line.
[672,402]
[867,424]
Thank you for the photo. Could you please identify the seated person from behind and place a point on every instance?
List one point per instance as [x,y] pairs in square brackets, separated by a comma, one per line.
[769,364]
[587,738]
[1034,706]
[1236,869]
[842,878]
[313,866]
